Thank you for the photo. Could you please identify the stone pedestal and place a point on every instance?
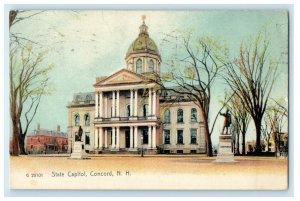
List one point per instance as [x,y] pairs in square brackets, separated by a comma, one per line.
[225,154]
[78,151]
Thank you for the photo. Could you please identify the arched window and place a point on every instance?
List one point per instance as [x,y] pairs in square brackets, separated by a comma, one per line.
[145,110]
[88,98]
[128,111]
[139,66]
[167,118]
[87,119]
[151,66]
[180,116]
[193,115]
[76,119]
[78,98]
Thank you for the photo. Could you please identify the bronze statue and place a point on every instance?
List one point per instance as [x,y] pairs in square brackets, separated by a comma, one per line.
[227,121]
[80,131]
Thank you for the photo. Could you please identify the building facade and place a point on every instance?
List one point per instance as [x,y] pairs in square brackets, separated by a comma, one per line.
[43,141]
[127,111]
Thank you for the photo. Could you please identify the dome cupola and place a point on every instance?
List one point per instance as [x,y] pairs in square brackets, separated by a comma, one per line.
[142,55]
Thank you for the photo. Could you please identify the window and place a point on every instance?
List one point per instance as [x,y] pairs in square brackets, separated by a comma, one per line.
[76,119]
[167,118]
[194,115]
[193,151]
[167,136]
[151,66]
[87,138]
[145,110]
[180,116]
[88,98]
[87,119]
[78,98]
[179,136]
[139,66]
[128,111]
[193,136]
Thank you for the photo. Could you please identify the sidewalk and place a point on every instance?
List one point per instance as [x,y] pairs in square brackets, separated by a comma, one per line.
[201,156]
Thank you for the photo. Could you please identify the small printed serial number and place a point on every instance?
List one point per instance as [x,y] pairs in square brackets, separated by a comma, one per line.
[34,175]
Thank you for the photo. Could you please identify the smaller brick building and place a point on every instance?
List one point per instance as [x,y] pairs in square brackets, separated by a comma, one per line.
[42,141]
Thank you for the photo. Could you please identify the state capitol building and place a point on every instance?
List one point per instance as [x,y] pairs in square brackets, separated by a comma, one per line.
[127,111]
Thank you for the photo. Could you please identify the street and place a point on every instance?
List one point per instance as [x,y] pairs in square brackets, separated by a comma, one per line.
[148,172]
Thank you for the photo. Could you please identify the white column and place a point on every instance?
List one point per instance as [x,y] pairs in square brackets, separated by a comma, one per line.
[96,137]
[118,138]
[135,136]
[96,104]
[136,102]
[113,138]
[113,104]
[131,137]
[101,105]
[105,106]
[150,102]
[118,104]
[149,137]
[105,138]
[154,137]
[101,138]
[154,103]
[131,102]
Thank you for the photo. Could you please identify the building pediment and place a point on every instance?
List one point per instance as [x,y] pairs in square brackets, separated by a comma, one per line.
[122,76]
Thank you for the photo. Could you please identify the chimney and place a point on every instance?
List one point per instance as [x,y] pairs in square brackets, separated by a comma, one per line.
[58,128]
[38,126]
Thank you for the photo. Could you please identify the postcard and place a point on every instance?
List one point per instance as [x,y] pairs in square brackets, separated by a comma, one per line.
[148,99]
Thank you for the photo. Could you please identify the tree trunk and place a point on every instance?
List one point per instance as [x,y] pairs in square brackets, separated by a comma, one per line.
[22,144]
[238,143]
[207,139]
[22,139]
[243,143]
[15,138]
[258,133]
[233,141]
[244,139]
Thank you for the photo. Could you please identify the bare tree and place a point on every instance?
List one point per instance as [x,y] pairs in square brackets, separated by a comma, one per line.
[241,119]
[266,132]
[274,121]
[28,82]
[194,67]
[252,76]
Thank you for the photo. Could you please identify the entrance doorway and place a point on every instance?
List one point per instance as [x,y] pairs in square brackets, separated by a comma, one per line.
[127,138]
[145,136]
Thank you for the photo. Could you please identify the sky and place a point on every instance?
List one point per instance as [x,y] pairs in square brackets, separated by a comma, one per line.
[84,45]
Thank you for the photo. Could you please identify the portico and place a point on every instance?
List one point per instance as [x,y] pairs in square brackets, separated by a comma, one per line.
[123,137]
[133,107]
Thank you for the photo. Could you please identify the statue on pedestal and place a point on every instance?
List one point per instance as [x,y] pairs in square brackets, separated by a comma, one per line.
[227,122]
[80,131]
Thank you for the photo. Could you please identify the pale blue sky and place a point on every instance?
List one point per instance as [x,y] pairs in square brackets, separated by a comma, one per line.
[86,44]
